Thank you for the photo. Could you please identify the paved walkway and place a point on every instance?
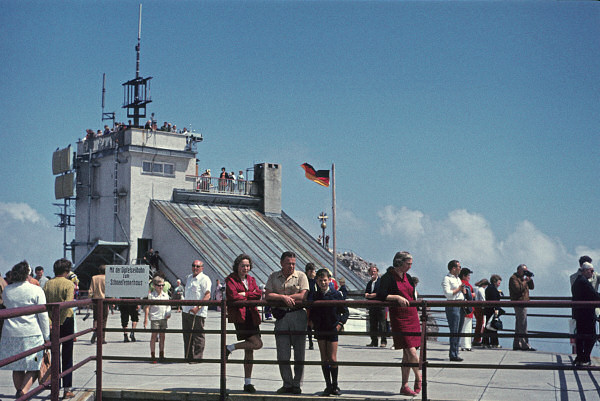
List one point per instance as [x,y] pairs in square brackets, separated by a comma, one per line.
[172,381]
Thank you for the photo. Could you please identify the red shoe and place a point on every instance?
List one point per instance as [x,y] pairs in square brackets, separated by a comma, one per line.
[418,386]
[405,390]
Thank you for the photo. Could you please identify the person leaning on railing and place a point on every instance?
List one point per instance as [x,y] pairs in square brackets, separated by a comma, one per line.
[398,286]
[490,339]
[241,286]
[585,318]
[23,333]
[61,289]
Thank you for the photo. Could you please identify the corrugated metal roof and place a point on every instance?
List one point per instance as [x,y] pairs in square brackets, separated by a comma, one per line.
[221,233]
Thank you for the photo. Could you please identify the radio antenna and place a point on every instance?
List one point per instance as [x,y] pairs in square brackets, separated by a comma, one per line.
[111,115]
[136,91]
[137,48]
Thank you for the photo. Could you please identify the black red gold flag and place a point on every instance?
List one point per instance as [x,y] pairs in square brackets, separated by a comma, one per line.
[321,177]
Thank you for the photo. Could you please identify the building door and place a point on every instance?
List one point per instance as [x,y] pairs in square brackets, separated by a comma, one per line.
[143,246]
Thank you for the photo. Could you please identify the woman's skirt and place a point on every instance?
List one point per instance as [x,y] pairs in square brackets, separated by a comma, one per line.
[10,346]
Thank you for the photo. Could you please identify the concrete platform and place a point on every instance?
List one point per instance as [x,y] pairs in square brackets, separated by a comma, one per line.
[139,380]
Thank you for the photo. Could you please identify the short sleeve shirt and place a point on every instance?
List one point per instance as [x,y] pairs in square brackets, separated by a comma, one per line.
[293,284]
[195,288]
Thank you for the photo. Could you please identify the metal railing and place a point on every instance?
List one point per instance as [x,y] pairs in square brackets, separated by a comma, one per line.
[221,185]
[425,307]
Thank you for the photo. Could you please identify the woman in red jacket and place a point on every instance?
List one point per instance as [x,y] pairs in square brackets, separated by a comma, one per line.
[240,286]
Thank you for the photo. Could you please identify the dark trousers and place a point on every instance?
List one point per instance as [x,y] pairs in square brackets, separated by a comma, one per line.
[585,339]
[377,324]
[490,337]
[479,318]
[66,354]
[193,343]
[104,317]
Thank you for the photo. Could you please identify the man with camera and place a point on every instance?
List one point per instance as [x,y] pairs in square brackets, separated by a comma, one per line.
[519,285]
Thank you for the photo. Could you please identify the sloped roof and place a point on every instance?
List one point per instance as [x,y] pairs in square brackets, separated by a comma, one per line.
[220,233]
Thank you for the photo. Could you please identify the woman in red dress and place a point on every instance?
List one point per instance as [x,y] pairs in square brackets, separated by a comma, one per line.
[397,285]
[240,286]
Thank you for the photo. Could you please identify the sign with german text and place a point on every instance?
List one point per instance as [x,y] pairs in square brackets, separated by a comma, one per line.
[127,281]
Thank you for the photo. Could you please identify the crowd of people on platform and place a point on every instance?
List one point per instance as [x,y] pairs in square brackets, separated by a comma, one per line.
[287,287]
[120,126]
[226,182]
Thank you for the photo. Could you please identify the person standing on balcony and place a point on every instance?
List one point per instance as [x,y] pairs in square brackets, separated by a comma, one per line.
[585,318]
[377,323]
[492,293]
[327,322]
[518,287]
[241,182]
[197,287]
[22,333]
[240,286]
[39,276]
[594,280]
[398,286]
[159,314]
[480,286]
[311,273]
[290,287]
[61,289]
[454,290]
[223,180]
[467,327]
[97,291]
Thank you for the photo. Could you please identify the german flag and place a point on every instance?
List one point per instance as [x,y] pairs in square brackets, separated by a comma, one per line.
[321,177]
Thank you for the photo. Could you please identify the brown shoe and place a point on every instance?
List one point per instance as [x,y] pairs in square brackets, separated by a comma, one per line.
[69,394]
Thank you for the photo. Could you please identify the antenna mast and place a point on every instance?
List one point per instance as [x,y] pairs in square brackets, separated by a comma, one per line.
[111,115]
[136,91]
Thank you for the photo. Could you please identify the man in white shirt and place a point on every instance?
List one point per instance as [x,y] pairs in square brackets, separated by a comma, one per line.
[454,290]
[197,287]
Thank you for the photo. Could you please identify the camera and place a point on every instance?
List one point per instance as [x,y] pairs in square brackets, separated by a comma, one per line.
[528,273]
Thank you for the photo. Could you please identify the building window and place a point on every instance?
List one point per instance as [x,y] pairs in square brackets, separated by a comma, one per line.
[155,168]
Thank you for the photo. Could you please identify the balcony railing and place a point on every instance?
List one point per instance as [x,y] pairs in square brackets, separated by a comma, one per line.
[425,307]
[224,186]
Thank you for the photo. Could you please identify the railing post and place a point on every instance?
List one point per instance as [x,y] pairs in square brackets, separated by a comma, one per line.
[223,392]
[55,351]
[423,358]
[99,305]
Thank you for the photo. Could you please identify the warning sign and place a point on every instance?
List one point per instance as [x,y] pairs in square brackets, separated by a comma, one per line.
[127,281]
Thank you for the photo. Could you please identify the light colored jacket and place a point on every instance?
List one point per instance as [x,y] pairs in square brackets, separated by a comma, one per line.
[25,294]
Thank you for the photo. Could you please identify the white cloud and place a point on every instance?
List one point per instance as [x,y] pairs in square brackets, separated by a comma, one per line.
[21,211]
[26,234]
[469,238]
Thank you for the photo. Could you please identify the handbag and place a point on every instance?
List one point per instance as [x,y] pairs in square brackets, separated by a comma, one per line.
[45,370]
[494,324]
[469,297]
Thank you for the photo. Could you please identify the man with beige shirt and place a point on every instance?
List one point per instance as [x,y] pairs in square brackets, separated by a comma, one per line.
[97,291]
[289,286]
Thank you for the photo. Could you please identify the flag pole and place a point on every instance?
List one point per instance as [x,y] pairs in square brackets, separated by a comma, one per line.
[333,220]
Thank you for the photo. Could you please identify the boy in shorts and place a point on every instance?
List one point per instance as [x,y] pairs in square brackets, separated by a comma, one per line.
[327,321]
[158,317]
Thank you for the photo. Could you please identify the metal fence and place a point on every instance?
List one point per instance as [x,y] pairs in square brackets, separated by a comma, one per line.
[425,307]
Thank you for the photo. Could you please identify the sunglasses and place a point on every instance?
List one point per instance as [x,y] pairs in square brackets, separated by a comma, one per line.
[159,285]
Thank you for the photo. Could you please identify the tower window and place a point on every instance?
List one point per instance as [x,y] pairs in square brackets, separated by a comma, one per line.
[155,168]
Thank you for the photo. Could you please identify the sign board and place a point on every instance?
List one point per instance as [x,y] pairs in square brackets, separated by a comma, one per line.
[127,281]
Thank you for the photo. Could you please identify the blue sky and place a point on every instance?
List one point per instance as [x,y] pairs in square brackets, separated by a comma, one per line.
[459,130]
